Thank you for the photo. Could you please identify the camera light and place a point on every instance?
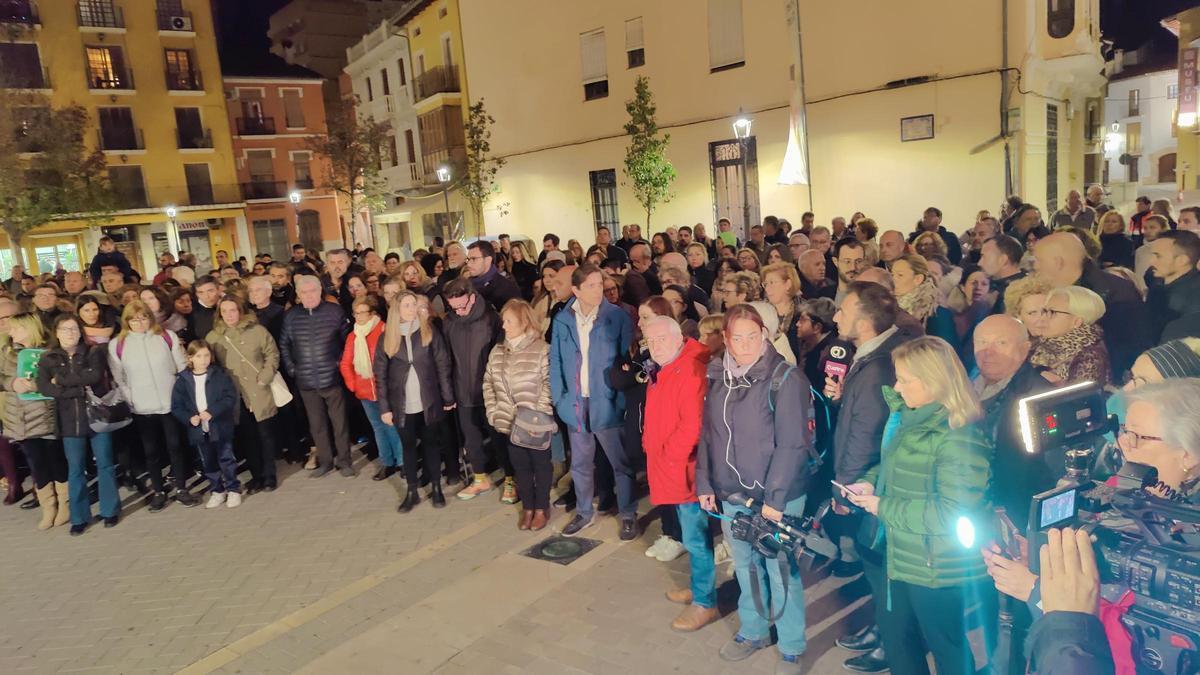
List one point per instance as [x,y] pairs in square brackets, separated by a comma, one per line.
[965,530]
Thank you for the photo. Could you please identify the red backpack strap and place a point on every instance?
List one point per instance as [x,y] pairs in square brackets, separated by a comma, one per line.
[120,348]
[167,337]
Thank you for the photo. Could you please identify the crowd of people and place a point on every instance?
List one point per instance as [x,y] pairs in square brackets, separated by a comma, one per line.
[707,368]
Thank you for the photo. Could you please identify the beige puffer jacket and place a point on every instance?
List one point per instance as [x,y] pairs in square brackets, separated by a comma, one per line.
[22,419]
[516,376]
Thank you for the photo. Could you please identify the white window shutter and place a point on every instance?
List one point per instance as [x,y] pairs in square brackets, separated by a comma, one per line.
[592,57]
[633,34]
[725,40]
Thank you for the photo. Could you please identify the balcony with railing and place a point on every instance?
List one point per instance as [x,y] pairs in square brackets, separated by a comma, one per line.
[131,196]
[24,78]
[304,183]
[113,140]
[196,139]
[20,12]
[437,80]
[265,187]
[256,126]
[184,80]
[110,80]
[99,14]
[443,139]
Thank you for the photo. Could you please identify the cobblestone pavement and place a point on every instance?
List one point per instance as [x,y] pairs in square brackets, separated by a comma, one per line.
[323,576]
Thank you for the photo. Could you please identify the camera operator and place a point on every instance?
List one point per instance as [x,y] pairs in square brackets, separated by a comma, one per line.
[934,470]
[756,440]
[1069,638]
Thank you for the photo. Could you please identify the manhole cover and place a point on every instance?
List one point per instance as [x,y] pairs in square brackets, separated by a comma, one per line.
[561,550]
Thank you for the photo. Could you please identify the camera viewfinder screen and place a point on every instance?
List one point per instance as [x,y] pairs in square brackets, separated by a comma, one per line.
[1058,508]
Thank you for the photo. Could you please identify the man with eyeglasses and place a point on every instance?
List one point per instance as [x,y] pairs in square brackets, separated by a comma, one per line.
[45,304]
[496,288]
[850,258]
[472,328]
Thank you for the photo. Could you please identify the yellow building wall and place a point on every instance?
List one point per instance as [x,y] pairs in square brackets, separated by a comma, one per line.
[62,46]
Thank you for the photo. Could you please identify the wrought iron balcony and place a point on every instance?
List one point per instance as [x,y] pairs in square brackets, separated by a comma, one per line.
[194,139]
[184,80]
[99,14]
[256,126]
[121,139]
[264,189]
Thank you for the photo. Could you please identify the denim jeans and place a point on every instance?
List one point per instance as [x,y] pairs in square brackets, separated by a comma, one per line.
[220,466]
[387,439]
[106,477]
[790,625]
[696,539]
[583,467]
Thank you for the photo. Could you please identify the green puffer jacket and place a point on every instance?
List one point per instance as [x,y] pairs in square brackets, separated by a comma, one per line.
[929,477]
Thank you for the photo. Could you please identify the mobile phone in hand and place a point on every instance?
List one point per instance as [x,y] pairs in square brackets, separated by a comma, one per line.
[843,487]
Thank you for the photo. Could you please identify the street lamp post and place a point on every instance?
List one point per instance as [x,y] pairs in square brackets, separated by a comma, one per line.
[294,198]
[741,131]
[173,242]
[443,174]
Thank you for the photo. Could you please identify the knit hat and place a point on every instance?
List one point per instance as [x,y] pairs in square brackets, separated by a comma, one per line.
[556,255]
[1175,359]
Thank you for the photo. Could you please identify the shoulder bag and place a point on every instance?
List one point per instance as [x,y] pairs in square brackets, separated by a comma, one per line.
[280,393]
[532,429]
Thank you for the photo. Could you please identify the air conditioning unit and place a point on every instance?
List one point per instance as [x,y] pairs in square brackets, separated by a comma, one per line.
[180,23]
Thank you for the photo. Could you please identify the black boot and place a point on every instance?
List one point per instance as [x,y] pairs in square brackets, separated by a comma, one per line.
[411,499]
[864,640]
[436,496]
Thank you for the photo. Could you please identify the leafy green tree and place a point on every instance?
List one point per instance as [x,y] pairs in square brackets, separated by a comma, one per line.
[353,146]
[646,163]
[479,183]
[48,172]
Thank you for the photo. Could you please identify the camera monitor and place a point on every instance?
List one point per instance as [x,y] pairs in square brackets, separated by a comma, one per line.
[1053,508]
[1056,418]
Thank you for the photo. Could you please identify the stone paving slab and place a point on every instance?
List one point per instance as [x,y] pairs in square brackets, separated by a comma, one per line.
[323,576]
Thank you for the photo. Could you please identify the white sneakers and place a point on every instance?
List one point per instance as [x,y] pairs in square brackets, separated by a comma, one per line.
[665,549]
[229,499]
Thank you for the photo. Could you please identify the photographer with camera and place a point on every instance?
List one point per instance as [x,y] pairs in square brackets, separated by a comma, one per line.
[757,441]
[934,470]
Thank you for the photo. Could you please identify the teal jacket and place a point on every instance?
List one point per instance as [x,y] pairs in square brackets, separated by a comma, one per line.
[930,476]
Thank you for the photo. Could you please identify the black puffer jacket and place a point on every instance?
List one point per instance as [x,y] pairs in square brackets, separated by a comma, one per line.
[311,344]
[432,362]
[471,339]
[64,379]
[862,411]
[748,447]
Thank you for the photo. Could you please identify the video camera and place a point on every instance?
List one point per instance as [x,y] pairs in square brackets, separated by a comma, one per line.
[798,538]
[1143,542]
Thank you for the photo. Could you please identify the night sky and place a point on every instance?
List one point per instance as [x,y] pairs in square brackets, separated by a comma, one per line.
[242,27]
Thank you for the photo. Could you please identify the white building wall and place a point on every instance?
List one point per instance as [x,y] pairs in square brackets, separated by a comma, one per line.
[1156,115]
[552,137]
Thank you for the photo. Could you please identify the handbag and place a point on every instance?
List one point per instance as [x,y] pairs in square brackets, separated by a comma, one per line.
[280,393]
[533,429]
[109,412]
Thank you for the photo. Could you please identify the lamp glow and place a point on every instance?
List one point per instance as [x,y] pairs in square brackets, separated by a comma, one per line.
[965,530]
[1187,119]
[294,197]
[171,212]
[741,128]
[443,174]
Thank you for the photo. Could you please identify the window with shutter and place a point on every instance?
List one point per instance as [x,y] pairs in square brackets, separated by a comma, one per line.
[293,110]
[635,49]
[726,48]
[594,65]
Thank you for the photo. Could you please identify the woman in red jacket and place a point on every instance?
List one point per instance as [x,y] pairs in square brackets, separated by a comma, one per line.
[357,370]
[674,409]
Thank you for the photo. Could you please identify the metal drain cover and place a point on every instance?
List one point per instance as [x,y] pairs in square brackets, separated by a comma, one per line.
[561,550]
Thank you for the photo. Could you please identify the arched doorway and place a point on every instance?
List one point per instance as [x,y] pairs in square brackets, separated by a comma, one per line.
[1166,168]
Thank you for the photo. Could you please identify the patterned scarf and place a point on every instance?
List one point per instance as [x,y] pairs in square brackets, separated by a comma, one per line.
[922,301]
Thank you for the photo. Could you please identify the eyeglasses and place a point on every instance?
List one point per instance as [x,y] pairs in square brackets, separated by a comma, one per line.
[1136,437]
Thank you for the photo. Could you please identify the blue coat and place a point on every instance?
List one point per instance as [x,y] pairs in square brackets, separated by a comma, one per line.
[611,336]
[222,405]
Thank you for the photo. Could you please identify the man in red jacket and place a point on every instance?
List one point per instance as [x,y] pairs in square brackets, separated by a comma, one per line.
[674,409]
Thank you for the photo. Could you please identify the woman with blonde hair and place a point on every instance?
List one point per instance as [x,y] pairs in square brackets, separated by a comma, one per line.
[781,288]
[1072,347]
[144,360]
[516,378]
[413,389]
[917,293]
[749,260]
[1116,248]
[934,473]
[1023,300]
[32,423]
